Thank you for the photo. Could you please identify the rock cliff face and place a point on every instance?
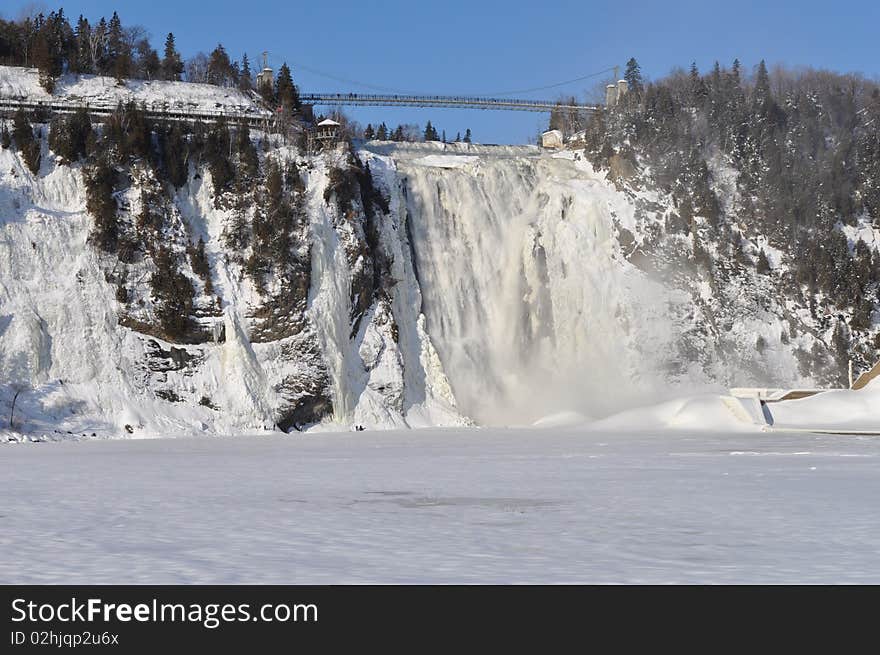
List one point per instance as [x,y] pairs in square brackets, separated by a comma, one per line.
[403,286]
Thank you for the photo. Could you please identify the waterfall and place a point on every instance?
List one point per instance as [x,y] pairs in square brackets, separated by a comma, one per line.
[528,299]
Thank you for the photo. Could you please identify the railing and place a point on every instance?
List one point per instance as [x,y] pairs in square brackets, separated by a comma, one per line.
[255,117]
[163,111]
[452,102]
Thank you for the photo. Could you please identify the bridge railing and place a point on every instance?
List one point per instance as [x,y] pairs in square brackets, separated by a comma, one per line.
[441,101]
[163,111]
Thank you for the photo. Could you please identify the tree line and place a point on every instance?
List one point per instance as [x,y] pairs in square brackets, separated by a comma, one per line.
[412,133]
[805,150]
[55,46]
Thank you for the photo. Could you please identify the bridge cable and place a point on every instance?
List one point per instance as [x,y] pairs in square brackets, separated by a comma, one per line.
[402,92]
[551,86]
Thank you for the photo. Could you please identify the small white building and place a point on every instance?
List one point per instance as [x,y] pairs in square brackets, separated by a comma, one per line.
[552,139]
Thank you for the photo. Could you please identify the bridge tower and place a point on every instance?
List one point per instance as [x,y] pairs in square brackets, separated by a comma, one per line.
[266,76]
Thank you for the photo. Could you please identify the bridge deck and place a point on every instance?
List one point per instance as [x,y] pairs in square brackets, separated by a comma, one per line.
[450,102]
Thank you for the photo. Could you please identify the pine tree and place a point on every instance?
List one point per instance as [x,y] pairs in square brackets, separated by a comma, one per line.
[149,65]
[762,96]
[173,294]
[245,81]
[699,92]
[198,259]
[369,134]
[248,160]
[633,77]
[25,142]
[83,47]
[219,67]
[172,148]
[217,154]
[430,132]
[101,204]
[119,55]
[467,135]
[70,137]
[285,90]
[172,64]
[45,60]
[382,132]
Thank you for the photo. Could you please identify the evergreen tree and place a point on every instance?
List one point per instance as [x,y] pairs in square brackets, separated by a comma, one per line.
[248,160]
[101,204]
[83,47]
[219,67]
[285,91]
[245,81]
[198,259]
[70,137]
[699,91]
[217,147]
[382,132]
[173,295]
[172,64]
[633,77]
[119,55]
[45,59]
[430,133]
[149,66]
[172,150]
[369,134]
[25,142]
[467,135]
[762,94]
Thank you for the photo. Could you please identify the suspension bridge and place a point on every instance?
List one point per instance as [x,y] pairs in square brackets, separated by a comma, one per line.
[447,102]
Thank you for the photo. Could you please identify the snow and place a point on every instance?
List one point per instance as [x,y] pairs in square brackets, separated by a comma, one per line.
[513,302]
[527,298]
[445,506]
[24,84]
[832,410]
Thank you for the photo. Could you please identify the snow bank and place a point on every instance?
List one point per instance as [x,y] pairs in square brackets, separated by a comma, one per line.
[24,84]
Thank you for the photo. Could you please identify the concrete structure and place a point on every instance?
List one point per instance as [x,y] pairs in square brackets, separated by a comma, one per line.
[266,76]
[610,95]
[552,139]
[614,93]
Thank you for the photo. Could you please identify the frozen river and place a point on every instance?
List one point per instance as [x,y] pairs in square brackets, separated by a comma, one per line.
[555,505]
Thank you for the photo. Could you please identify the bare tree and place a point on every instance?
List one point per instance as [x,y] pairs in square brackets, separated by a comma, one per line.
[17,389]
[16,370]
[98,40]
[197,68]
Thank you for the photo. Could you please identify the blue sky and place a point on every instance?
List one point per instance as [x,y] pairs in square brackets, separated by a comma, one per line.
[486,47]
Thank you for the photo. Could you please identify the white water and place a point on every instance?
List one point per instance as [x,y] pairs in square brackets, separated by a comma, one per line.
[527,297]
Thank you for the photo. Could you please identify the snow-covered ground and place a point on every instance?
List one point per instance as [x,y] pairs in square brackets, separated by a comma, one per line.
[18,83]
[453,505]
